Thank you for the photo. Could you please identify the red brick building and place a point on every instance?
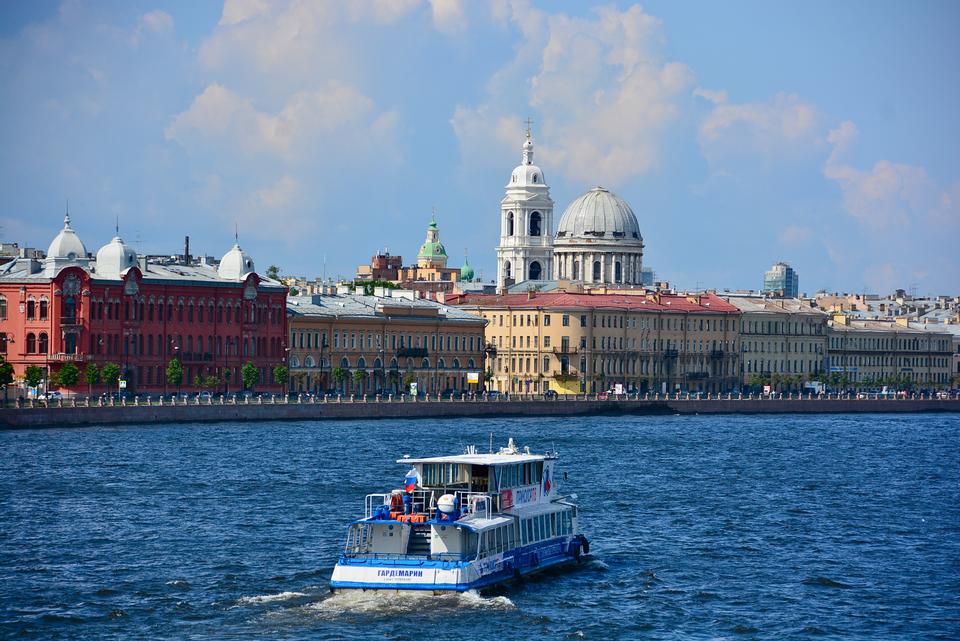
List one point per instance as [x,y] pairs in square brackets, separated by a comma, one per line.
[119,308]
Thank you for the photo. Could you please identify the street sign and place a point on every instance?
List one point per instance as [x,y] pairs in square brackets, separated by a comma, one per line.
[123,384]
[473,377]
[413,388]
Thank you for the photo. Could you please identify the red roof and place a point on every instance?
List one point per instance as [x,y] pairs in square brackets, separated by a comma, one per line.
[563,300]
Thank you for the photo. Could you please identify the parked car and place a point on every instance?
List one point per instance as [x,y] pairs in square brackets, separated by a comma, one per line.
[204,397]
[50,396]
[550,393]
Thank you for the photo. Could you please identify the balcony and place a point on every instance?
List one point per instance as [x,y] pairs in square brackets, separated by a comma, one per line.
[412,352]
[566,349]
[72,358]
[670,353]
[569,374]
[716,354]
[69,321]
[197,357]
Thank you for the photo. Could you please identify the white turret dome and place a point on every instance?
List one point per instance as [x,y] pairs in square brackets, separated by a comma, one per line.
[599,215]
[526,173]
[114,258]
[235,264]
[67,244]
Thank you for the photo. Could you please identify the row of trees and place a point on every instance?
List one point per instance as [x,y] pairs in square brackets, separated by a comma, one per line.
[834,380]
[69,375]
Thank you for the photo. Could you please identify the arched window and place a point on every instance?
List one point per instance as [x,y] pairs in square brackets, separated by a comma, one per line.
[425,363]
[456,363]
[43,344]
[509,223]
[506,270]
[596,271]
[44,305]
[535,178]
[361,363]
[31,343]
[471,364]
[535,270]
[393,363]
[617,272]
[535,221]
[69,308]
[378,364]
[344,362]
[309,362]
[31,308]
[441,364]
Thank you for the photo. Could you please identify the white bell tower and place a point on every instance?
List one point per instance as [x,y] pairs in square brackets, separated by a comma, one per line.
[525,251]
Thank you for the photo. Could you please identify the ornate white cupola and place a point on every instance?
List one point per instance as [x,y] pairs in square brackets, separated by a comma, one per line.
[525,251]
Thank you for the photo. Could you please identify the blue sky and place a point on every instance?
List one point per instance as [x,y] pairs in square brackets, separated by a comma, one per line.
[742,133]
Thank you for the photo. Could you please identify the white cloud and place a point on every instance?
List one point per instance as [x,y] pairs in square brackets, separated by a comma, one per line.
[227,122]
[604,92]
[448,15]
[795,235]
[237,11]
[711,95]
[157,21]
[776,128]
[888,195]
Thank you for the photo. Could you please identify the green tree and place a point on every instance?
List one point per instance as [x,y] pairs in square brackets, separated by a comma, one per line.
[339,375]
[281,375]
[33,375]
[68,375]
[6,376]
[358,376]
[91,374]
[250,375]
[205,382]
[175,373]
[110,374]
[273,272]
[294,291]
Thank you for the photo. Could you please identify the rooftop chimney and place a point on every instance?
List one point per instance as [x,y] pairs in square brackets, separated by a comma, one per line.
[186,250]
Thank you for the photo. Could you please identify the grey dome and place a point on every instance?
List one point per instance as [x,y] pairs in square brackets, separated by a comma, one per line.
[599,215]
[235,264]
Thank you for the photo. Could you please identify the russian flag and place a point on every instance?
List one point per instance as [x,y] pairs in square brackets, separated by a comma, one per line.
[410,480]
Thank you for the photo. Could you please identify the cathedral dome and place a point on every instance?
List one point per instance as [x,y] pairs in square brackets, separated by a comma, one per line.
[235,264]
[115,257]
[466,272]
[599,215]
[527,174]
[67,244]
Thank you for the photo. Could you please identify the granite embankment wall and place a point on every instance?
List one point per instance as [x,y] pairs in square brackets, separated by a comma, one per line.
[80,416]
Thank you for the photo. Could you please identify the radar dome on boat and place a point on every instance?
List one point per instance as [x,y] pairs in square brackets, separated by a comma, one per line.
[447,503]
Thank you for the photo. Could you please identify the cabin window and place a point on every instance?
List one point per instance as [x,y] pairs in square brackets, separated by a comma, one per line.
[434,474]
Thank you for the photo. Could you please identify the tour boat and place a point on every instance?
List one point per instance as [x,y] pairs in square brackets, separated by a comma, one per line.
[462,522]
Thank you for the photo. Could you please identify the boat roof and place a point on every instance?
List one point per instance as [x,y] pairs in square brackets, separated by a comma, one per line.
[478,523]
[478,459]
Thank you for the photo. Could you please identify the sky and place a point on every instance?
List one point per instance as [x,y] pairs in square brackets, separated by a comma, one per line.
[823,134]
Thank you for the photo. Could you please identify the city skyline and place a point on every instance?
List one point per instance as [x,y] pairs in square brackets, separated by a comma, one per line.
[188,120]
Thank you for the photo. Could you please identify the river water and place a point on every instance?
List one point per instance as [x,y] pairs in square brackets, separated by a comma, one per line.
[780,527]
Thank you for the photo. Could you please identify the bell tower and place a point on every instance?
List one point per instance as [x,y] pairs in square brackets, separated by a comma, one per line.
[525,251]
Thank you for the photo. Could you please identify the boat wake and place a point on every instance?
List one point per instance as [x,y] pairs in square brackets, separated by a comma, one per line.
[270,598]
[389,604]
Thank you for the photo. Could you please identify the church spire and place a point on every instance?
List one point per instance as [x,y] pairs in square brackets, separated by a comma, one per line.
[527,158]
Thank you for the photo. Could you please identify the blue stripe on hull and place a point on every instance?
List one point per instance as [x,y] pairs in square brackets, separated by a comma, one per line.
[524,567]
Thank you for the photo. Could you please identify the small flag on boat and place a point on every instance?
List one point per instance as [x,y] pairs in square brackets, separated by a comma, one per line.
[410,480]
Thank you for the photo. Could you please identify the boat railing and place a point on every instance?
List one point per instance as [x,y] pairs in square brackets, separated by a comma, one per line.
[475,503]
[383,556]
[424,502]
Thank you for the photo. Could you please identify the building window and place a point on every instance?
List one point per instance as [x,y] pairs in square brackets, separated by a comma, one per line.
[3,342]
[617,272]
[565,320]
[3,308]
[509,223]
[596,271]
[31,309]
[535,270]
[506,270]
[535,223]
[43,308]
[546,320]
[31,343]
[43,345]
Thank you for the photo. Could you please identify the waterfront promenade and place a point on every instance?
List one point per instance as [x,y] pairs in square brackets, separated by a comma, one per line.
[83,412]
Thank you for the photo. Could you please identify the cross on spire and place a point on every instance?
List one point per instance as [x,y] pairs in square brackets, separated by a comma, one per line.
[529,127]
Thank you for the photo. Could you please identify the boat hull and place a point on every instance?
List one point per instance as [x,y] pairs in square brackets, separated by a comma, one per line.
[441,576]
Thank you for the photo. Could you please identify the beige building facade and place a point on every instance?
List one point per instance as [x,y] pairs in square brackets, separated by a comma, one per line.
[392,341]
[576,343]
[784,340]
[865,353]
